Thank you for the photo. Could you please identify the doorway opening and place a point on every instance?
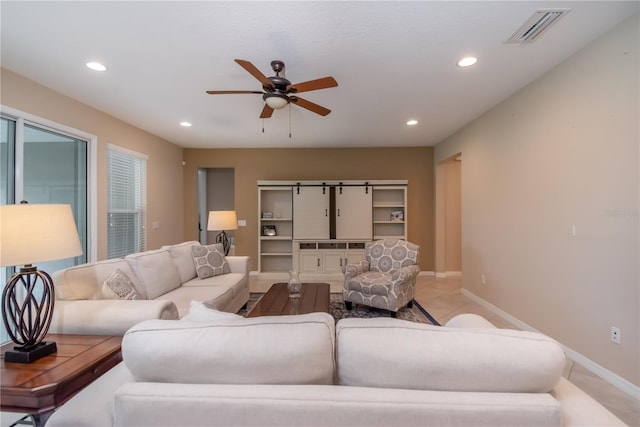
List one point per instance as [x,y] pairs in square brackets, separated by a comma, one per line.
[216,188]
[448,229]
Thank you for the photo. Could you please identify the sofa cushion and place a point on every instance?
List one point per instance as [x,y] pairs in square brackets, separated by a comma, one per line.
[156,270]
[119,286]
[394,353]
[84,281]
[183,258]
[200,312]
[262,350]
[210,261]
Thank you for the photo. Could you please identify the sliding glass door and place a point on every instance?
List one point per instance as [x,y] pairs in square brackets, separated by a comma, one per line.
[41,165]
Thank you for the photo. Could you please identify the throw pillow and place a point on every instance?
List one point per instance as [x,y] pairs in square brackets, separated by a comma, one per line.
[200,312]
[210,260]
[119,286]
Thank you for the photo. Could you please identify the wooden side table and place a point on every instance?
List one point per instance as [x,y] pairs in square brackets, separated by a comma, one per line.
[40,387]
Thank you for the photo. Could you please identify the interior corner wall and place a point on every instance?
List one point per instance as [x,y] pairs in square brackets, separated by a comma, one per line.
[164,164]
[414,164]
[561,155]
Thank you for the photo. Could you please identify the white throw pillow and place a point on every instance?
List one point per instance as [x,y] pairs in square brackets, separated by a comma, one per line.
[291,349]
[200,312]
[444,358]
[210,260]
[119,286]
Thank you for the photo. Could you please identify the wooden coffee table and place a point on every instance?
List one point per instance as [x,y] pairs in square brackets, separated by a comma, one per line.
[38,388]
[314,297]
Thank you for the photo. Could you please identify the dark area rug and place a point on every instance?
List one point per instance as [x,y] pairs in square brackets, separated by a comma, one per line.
[415,314]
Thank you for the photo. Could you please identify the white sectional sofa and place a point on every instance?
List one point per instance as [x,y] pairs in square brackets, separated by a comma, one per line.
[165,279]
[225,370]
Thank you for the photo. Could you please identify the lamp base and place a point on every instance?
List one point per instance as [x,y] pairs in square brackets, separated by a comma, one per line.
[31,354]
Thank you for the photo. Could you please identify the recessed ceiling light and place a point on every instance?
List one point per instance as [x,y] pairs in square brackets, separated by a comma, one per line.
[96,66]
[185,124]
[412,122]
[467,61]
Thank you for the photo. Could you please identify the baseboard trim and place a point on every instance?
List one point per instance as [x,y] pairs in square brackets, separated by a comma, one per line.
[445,274]
[610,377]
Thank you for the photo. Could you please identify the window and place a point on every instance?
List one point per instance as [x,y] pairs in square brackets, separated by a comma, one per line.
[126,202]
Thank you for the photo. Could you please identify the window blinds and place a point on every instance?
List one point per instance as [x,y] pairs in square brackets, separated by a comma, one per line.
[127,202]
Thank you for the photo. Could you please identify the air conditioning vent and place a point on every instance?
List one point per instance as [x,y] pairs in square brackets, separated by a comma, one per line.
[535,26]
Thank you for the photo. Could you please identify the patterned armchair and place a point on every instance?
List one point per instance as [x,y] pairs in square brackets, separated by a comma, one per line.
[386,278]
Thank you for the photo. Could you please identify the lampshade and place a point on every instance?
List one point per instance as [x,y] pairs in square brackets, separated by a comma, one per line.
[37,233]
[222,220]
[276,100]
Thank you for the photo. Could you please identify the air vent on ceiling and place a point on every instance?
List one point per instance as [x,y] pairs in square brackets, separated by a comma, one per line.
[535,26]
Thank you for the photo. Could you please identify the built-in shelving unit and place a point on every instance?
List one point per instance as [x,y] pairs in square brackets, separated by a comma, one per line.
[282,246]
[389,212]
[276,213]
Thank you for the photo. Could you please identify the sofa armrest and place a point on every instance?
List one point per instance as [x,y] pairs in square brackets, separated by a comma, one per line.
[107,317]
[238,263]
[352,270]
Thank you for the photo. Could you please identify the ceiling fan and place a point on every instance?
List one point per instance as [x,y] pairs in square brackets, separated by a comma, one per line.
[278,91]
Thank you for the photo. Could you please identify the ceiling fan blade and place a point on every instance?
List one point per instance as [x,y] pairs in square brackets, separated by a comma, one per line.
[254,72]
[323,83]
[318,109]
[266,112]
[227,92]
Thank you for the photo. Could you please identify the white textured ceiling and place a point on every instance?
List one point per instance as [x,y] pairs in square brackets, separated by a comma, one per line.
[393,61]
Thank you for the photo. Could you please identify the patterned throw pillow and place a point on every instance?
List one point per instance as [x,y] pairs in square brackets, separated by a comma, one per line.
[120,286]
[210,260]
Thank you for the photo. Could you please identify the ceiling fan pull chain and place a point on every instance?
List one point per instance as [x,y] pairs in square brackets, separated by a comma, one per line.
[289,121]
[262,125]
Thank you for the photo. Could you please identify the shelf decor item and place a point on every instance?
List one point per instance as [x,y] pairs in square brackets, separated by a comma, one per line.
[269,230]
[294,285]
[222,221]
[397,216]
[30,234]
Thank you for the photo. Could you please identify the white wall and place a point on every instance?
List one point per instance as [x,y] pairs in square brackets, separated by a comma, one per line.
[561,152]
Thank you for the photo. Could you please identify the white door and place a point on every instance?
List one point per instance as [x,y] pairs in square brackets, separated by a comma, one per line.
[354,212]
[311,212]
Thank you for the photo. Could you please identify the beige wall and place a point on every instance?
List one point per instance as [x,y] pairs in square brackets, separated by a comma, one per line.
[164,166]
[252,165]
[561,152]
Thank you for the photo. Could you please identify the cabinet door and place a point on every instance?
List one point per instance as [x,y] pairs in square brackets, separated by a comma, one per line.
[311,213]
[353,212]
[333,261]
[309,262]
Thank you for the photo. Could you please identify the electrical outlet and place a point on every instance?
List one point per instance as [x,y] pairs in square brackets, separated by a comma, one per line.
[483,279]
[615,335]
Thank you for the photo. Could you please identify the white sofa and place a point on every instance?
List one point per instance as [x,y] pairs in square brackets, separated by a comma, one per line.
[166,280]
[307,371]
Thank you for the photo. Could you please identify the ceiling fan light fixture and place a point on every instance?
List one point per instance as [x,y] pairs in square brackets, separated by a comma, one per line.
[276,100]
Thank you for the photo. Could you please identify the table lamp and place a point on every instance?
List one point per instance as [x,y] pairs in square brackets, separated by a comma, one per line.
[221,221]
[30,234]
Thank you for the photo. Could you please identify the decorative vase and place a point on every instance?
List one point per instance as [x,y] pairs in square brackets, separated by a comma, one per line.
[294,284]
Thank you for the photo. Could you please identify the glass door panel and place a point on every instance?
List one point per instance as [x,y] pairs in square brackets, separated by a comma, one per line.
[55,171]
